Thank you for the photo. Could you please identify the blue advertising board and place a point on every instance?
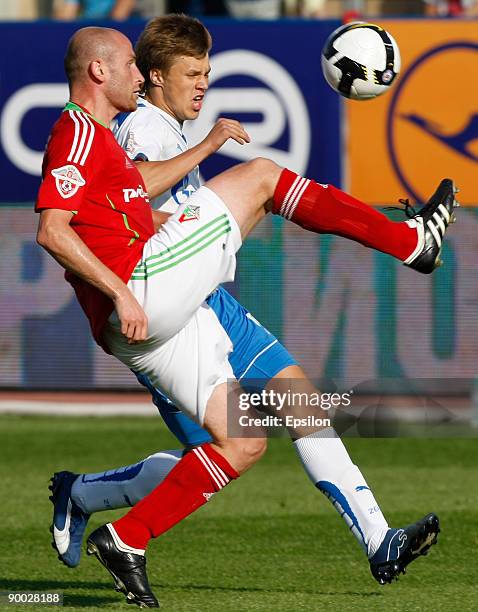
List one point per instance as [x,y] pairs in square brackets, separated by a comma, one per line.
[267,74]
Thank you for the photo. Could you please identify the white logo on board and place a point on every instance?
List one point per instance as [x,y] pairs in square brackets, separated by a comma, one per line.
[37,95]
[279,101]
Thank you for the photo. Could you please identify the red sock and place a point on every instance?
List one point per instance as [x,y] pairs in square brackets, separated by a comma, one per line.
[325,209]
[189,485]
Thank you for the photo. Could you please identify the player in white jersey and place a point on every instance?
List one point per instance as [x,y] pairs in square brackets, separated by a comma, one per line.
[176,82]
[153,134]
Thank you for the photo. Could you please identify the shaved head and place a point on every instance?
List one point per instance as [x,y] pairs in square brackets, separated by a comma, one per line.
[102,73]
[87,45]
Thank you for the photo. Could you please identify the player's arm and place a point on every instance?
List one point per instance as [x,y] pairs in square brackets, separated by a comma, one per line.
[160,176]
[57,237]
[159,218]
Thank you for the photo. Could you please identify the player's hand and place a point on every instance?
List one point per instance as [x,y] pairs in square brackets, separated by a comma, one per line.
[223,130]
[134,323]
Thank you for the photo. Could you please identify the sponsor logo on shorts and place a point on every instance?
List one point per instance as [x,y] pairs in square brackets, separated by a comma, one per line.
[68,180]
[190,213]
[208,496]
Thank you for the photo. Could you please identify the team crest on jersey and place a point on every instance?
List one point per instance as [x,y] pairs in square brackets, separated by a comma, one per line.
[190,213]
[131,144]
[67,180]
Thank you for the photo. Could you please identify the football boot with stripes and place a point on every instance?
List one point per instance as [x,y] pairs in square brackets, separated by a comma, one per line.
[69,521]
[127,566]
[431,223]
[402,546]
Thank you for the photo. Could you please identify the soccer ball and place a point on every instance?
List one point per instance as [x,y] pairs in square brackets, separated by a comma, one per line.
[360,60]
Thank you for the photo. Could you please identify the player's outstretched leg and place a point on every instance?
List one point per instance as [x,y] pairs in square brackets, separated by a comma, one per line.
[402,546]
[127,566]
[326,209]
[69,520]
[251,189]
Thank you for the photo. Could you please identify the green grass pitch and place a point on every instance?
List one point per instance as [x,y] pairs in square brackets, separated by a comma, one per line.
[268,542]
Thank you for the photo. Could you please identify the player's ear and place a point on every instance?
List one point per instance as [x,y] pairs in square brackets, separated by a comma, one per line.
[96,71]
[156,77]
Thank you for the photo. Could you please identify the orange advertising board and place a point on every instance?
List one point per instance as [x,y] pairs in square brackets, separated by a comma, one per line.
[426,127]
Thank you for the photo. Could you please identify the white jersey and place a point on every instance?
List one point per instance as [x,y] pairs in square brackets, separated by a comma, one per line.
[151,134]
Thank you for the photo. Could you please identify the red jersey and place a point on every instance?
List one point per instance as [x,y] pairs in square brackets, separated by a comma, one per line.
[87,172]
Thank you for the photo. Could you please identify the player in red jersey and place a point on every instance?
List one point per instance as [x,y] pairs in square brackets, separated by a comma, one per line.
[155,320]
[86,176]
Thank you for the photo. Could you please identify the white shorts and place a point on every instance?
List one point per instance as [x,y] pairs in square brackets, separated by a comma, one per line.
[186,352]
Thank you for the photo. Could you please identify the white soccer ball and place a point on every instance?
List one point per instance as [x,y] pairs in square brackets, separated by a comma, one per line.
[360,60]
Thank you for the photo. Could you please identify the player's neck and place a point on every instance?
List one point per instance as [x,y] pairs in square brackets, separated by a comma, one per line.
[99,109]
[156,99]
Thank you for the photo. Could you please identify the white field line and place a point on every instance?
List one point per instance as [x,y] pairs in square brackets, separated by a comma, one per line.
[77,408]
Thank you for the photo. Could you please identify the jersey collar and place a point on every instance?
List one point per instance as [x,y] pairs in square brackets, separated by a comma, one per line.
[72,106]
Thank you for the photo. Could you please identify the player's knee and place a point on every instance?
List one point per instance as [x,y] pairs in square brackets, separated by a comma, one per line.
[243,453]
[157,466]
[263,174]
[253,449]
[264,168]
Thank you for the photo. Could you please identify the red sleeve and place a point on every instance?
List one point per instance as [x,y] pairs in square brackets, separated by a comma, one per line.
[67,164]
